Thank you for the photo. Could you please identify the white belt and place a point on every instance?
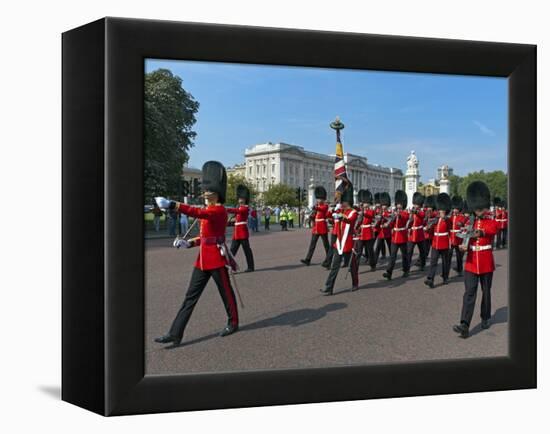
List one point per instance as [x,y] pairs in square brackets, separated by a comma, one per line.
[414,228]
[399,229]
[367,226]
[319,220]
[501,220]
[240,223]
[455,230]
[478,248]
[441,234]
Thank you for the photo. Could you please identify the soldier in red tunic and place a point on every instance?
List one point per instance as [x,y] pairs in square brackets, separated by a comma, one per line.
[213,257]
[319,226]
[399,236]
[501,217]
[429,217]
[332,217]
[240,232]
[441,241]
[365,228]
[415,226]
[457,222]
[384,232]
[345,219]
[480,264]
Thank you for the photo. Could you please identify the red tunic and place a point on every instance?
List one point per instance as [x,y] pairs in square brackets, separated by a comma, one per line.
[320,226]
[367,225]
[241,222]
[384,232]
[344,231]
[399,229]
[457,222]
[479,259]
[428,233]
[212,232]
[441,239]
[416,228]
[501,218]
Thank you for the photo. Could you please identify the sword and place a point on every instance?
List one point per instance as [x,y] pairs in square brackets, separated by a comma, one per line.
[230,263]
[186,233]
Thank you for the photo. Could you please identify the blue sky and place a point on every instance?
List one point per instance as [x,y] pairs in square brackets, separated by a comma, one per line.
[456,120]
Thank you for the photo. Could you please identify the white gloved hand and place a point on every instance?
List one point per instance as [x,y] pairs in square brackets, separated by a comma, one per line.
[180,242]
[338,206]
[162,202]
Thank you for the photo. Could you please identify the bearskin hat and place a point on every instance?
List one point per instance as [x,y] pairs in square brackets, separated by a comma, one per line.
[478,196]
[497,201]
[418,198]
[385,199]
[429,202]
[347,195]
[457,202]
[214,179]
[364,196]
[243,193]
[320,193]
[401,198]
[376,198]
[443,202]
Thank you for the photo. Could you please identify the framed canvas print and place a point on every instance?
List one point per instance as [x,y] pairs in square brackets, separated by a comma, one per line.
[286,216]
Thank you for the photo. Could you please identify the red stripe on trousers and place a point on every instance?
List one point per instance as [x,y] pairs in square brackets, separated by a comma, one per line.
[230,297]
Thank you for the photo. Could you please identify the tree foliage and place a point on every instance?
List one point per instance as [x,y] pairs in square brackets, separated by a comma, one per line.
[232,182]
[497,181]
[280,194]
[169,113]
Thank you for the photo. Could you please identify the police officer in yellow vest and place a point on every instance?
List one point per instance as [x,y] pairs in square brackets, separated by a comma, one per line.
[283,219]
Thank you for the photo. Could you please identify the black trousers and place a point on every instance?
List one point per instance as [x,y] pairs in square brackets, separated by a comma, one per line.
[421,252]
[313,244]
[434,259]
[427,247]
[470,292]
[247,251]
[335,268]
[368,247]
[266,223]
[393,257]
[331,250]
[502,234]
[199,279]
[459,256]
[380,247]
[291,223]
[283,225]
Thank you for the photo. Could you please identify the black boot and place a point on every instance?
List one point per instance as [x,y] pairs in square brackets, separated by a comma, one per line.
[228,330]
[405,274]
[485,324]
[326,291]
[304,261]
[387,275]
[462,329]
[167,339]
[429,282]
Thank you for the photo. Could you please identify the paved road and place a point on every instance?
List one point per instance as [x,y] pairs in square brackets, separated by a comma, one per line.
[287,323]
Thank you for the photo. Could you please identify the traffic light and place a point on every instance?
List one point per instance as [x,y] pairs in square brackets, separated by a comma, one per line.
[299,194]
[185,188]
[196,187]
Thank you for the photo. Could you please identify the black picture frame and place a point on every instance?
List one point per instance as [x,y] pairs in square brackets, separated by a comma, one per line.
[103,279]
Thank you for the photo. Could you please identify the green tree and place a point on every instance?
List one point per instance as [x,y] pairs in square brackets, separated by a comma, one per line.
[232,182]
[454,185]
[497,181]
[169,113]
[280,194]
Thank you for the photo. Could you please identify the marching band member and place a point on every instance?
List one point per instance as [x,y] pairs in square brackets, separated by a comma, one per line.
[240,232]
[429,214]
[457,221]
[345,219]
[333,218]
[399,238]
[366,228]
[384,232]
[319,227]
[416,230]
[213,259]
[441,240]
[480,263]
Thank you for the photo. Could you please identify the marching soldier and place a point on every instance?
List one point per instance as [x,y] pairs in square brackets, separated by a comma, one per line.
[399,238]
[384,232]
[366,228]
[345,219]
[501,217]
[457,221]
[333,217]
[429,215]
[213,259]
[319,227]
[441,240]
[240,232]
[416,230]
[480,263]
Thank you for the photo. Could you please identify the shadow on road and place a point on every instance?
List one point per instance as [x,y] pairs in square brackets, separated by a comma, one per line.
[295,318]
[281,267]
[52,391]
[500,317]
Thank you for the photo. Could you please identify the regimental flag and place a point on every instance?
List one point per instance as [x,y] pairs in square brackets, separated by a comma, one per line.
[340,173]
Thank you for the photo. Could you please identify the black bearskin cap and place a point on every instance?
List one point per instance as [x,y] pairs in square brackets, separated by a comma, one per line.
[364,196]
[457,202]
[376,197]
[478,196]
[243,193]
[320,193]
[385,199]
[347,195]
[497,201]
[429,202]
[443,202]
[418,198]
[214,179]
[401,198]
